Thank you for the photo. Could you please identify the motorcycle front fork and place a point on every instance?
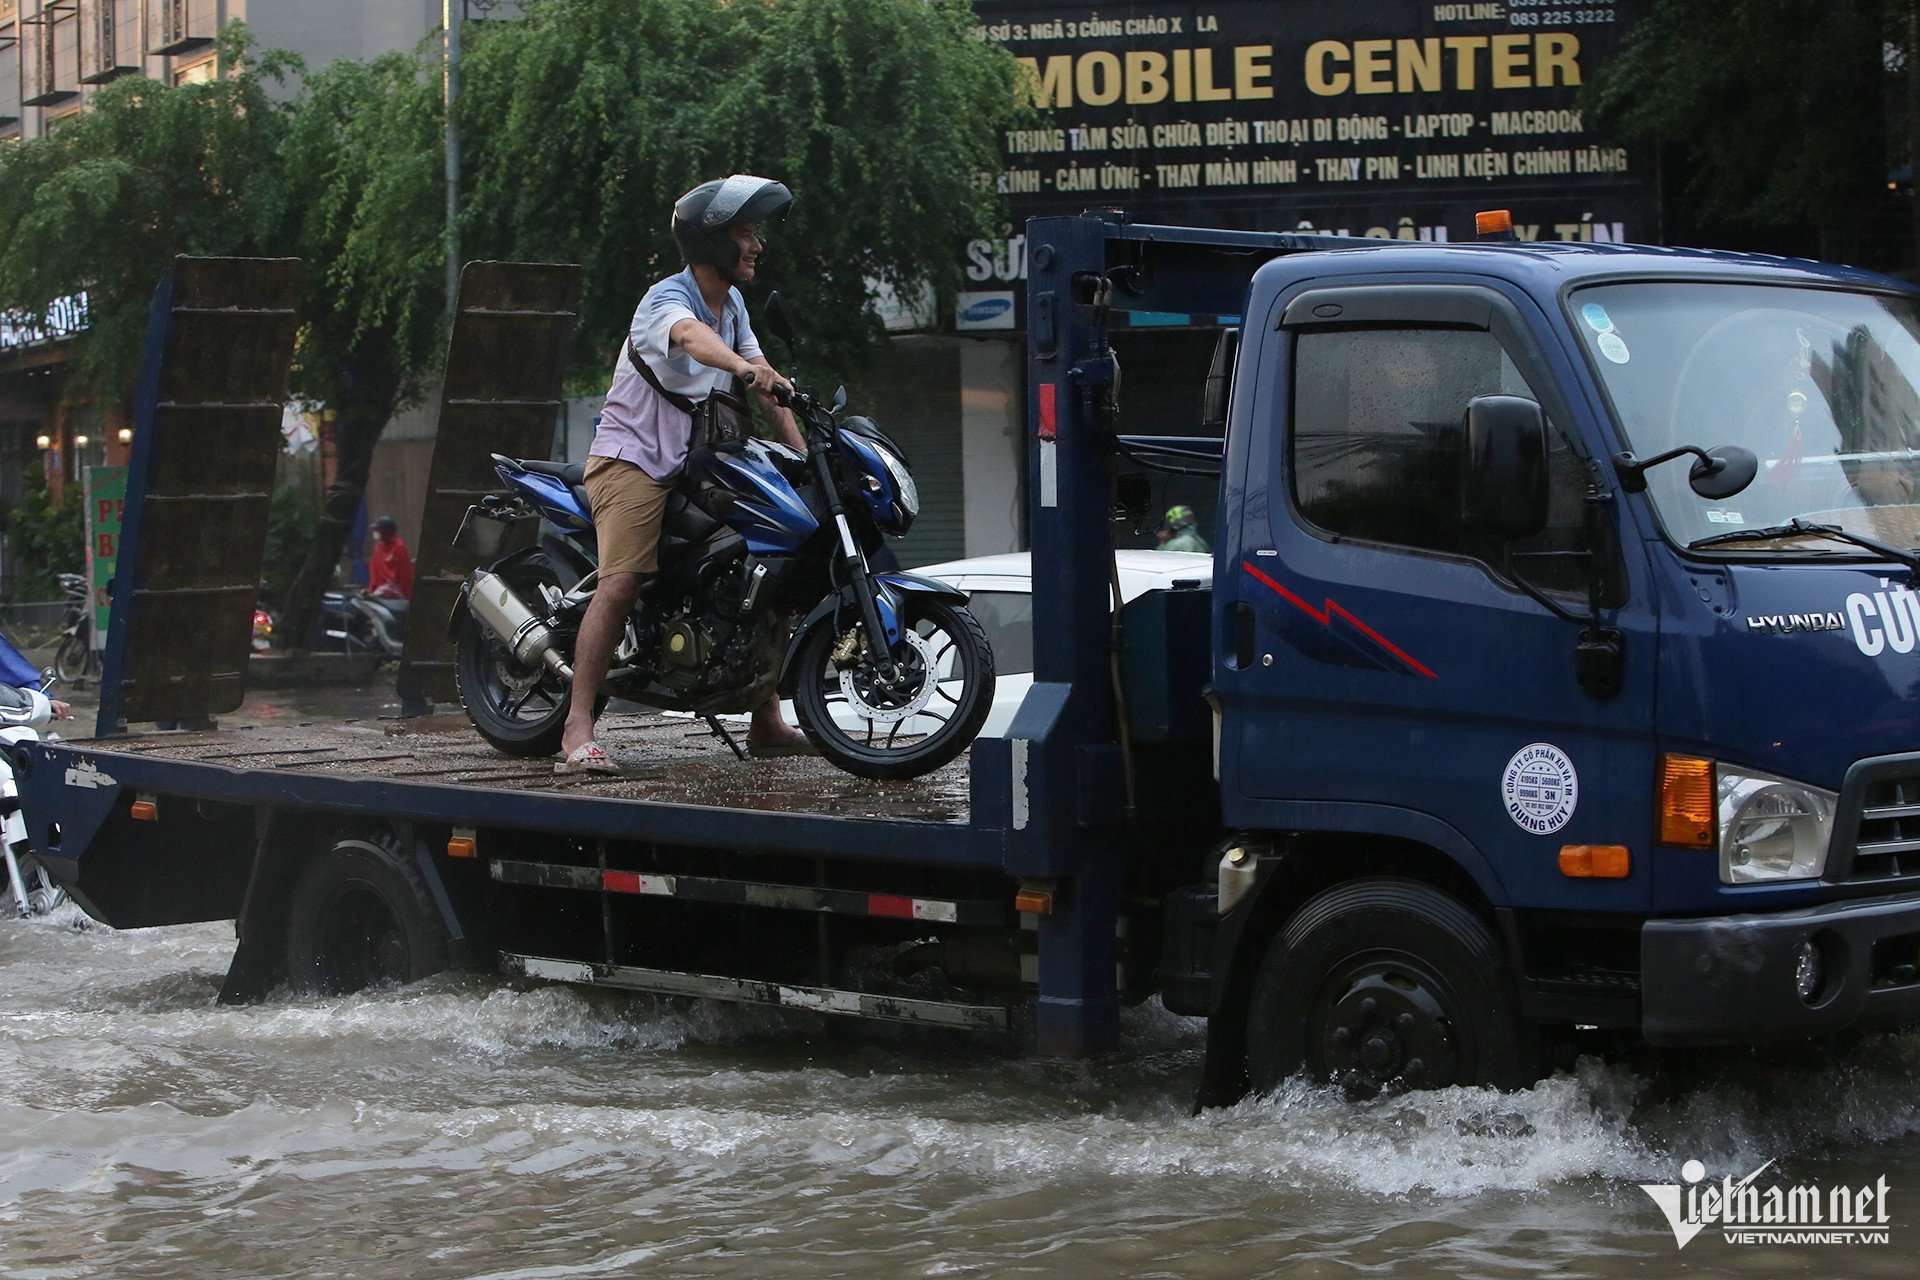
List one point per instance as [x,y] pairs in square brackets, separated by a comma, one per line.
[855,559]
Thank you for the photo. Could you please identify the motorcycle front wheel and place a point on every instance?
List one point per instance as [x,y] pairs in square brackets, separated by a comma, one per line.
[912,715]
[518,709]
[71,659]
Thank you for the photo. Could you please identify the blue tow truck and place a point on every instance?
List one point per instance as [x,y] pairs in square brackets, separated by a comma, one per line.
[1557,671]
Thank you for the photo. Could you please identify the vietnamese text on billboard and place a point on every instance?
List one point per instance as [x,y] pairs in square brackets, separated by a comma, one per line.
[1388,118]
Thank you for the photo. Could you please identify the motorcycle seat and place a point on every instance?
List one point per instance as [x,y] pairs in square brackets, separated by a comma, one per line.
[571,474]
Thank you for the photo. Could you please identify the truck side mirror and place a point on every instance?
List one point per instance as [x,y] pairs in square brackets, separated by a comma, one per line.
[1213,397]
[1132,496]
[1503,467]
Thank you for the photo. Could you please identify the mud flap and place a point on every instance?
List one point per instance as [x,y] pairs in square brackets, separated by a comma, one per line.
[260,958]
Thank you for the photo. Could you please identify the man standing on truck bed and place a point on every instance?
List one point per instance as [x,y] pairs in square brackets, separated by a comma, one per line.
[689,333]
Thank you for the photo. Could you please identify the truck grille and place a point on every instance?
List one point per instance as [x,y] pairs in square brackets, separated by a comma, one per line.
[1888,844]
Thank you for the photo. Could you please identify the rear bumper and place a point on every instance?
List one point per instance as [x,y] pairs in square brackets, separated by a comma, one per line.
[1731,979]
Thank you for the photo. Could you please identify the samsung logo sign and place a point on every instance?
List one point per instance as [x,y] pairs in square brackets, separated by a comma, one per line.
[984,309]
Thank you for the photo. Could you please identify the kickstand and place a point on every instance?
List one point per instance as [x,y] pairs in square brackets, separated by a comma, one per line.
[720,731]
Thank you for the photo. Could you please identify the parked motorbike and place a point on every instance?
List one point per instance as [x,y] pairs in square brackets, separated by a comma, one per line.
[75,660]
[355,622]
[765,583]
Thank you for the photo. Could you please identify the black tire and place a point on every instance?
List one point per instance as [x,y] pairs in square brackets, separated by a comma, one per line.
[360,916]
[70,659]
[880,750]
[520,711]
[1388,982]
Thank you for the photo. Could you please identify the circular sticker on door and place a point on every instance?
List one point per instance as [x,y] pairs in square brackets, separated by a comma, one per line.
[1540,788]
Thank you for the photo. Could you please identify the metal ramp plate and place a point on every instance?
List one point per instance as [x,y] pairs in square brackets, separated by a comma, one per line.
[501,394]
[199,484]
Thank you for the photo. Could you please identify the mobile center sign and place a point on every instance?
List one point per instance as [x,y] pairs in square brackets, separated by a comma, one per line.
[1392,119]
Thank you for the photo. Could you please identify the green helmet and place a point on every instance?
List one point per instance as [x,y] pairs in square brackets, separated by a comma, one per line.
[1179,517]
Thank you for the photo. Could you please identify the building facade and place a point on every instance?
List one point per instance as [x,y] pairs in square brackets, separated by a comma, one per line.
[54,54]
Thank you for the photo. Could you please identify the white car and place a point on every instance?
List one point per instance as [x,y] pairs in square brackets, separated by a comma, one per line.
[1000,590]
[1000,595]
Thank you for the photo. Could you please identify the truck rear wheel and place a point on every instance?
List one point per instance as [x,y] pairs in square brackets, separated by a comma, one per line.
[360,916]
[1388,982]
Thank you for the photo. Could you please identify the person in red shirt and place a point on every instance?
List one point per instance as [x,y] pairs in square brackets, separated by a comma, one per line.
[389,567]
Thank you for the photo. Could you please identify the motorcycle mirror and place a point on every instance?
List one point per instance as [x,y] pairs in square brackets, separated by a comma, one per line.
[780,319]
[839,399]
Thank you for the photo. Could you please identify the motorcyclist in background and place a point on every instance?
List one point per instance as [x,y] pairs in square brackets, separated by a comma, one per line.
[1180,531]
[25,713]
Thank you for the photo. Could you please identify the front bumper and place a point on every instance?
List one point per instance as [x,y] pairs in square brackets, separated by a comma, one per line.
[1731,979]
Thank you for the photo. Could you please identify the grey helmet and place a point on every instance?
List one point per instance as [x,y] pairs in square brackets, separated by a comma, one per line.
[701,217]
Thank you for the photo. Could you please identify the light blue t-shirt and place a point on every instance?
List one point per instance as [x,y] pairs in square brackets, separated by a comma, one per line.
[637,424]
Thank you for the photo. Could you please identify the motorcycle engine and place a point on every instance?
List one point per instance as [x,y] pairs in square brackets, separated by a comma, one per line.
[685,645]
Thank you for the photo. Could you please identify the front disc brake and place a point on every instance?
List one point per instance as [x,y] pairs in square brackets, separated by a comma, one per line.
[870,697]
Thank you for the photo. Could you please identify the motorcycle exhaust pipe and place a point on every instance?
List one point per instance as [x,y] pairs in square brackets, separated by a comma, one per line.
[530,640]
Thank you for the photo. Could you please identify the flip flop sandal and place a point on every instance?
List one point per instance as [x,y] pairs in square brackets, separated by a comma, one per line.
[587,758]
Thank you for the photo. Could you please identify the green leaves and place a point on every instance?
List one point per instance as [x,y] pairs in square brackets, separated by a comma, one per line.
[581,124]
[1776,108]
[587,120]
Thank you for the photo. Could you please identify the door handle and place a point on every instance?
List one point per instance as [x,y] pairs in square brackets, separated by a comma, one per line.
[1240,620]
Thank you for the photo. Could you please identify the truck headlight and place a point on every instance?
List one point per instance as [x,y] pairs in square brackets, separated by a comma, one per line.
[1771,828]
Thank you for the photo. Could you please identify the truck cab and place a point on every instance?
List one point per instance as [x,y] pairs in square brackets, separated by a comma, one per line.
[1563,657]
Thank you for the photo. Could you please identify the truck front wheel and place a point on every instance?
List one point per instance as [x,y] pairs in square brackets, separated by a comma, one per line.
[361,917]
[1388,982]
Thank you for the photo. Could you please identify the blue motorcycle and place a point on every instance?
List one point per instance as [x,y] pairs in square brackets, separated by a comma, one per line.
[766,582]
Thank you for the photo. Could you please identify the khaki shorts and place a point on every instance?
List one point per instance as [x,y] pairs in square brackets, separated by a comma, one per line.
[628,508]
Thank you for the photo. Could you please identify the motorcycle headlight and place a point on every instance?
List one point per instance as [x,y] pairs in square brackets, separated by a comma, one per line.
[902,480]
[1771,828]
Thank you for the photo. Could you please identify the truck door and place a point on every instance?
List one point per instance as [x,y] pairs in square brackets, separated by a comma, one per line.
[1381,669]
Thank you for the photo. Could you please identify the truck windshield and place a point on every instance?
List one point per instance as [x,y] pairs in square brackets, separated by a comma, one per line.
[1822,385]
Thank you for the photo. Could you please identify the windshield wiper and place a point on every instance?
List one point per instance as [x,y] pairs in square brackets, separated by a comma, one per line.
[1801,527]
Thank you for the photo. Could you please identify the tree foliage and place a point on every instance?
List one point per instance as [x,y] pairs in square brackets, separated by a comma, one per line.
[1773,114]
[583,121]
[587,120]
[105,201]
[44,537]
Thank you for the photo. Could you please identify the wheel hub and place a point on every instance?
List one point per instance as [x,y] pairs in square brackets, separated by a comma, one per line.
[890,693]
[1389,1025]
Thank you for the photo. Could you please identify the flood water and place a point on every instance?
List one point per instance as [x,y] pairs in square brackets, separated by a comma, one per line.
[471,1127]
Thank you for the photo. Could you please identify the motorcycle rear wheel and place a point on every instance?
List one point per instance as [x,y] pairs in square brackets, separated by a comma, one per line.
[913,723]
[519,710]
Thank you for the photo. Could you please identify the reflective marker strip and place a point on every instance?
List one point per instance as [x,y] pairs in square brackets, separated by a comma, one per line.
[634,882]
[748,893]
[881,904]
[1049,410]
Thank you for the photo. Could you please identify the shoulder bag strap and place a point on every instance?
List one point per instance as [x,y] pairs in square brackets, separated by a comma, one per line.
[679,402]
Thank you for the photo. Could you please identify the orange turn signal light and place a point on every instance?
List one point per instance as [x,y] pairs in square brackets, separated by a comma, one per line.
[1595,861]
[1037,902]
[1493,222]
[145,811]
[1686,802]
[462,847]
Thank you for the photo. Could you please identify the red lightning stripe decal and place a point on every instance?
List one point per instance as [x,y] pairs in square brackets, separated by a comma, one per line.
[1325,618]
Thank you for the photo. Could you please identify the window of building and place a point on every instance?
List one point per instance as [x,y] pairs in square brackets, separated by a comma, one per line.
[1375,451]
[9,70]
[197,72]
